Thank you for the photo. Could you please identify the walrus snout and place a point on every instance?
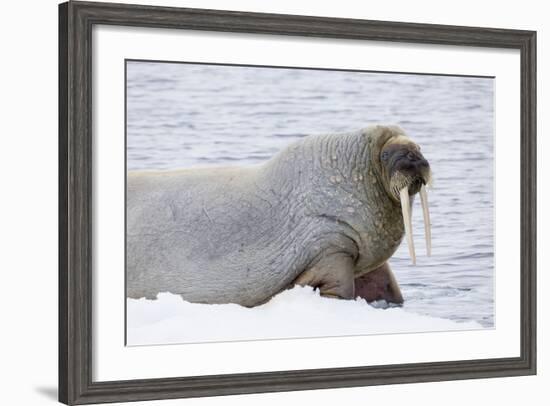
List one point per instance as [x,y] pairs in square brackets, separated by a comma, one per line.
[406,168]
[410,164]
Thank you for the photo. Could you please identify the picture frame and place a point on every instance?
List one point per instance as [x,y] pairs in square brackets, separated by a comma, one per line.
[76,351]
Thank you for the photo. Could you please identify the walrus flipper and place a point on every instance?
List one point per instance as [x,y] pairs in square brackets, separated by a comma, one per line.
[379,284]
[333,275]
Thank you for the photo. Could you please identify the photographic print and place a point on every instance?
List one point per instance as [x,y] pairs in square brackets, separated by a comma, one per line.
[288,202]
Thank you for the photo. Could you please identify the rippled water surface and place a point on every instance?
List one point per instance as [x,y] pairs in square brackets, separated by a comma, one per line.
[181,115]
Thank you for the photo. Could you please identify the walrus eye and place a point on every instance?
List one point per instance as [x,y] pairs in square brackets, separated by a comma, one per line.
[385,155]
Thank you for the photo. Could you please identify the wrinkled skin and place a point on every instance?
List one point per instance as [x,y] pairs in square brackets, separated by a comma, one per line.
[322,212]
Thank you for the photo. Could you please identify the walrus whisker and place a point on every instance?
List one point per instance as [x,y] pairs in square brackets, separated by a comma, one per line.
[427,223]
[399,181]
[407,220]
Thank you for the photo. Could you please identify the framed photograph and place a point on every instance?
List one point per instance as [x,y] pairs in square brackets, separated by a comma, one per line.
[258,202]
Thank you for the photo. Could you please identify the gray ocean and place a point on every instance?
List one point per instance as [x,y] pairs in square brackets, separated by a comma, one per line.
[182,115]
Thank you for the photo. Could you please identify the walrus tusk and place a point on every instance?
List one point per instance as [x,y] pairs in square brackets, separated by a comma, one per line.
[407,220]
[427,223]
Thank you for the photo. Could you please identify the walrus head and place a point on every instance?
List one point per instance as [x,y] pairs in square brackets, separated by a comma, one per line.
[405,172]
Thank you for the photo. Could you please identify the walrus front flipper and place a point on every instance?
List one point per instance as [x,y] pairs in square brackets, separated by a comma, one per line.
[379,284]
[333,275]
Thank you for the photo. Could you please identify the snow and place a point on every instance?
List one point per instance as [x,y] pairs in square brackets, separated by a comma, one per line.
[298,312]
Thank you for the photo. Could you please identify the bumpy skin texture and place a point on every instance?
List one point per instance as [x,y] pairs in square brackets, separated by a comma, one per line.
[317,213]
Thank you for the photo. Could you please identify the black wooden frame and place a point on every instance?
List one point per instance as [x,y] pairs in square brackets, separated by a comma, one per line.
[76,20]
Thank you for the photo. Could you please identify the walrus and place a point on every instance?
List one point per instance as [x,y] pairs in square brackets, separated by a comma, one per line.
[328,211]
